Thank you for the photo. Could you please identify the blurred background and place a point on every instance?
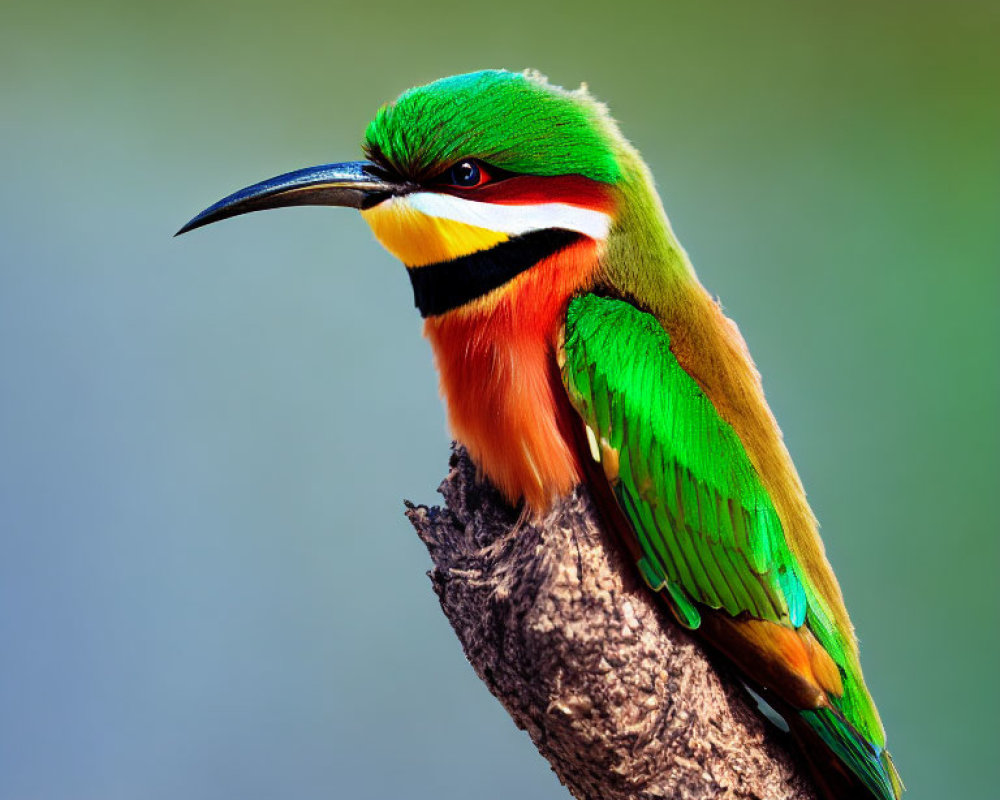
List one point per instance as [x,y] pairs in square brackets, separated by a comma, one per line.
[207,585]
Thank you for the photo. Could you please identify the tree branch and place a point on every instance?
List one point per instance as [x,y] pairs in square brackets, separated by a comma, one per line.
[619,698]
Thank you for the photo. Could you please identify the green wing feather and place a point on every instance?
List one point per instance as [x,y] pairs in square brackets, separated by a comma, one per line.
[706,526]
[704,518]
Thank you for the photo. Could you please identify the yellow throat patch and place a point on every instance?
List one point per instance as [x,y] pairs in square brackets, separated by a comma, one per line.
[417,239]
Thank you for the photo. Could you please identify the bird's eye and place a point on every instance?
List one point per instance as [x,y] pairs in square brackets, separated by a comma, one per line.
[466,175]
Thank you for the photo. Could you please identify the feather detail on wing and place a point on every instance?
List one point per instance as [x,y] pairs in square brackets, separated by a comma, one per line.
[706,532]
[679,471]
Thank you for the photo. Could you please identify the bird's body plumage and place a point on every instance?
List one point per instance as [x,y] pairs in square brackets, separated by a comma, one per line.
[575,343]
[496,365]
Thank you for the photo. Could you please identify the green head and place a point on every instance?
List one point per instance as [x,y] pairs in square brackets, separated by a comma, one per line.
[516,121]
[476,178]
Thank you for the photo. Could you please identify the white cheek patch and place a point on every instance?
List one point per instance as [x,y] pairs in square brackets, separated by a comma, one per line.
[511,219]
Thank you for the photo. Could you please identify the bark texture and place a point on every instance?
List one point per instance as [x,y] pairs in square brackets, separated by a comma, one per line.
[617,696]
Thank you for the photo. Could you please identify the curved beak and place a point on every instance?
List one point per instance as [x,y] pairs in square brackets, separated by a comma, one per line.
[354,184]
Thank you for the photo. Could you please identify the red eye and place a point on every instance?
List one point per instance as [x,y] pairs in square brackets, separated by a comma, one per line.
[466,175]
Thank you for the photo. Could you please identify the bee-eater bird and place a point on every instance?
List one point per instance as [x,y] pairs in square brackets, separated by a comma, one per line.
[575,344]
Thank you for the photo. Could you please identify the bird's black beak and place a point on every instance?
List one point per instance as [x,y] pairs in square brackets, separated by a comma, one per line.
[354,184]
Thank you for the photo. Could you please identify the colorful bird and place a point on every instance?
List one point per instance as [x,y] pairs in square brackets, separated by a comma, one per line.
[575,344]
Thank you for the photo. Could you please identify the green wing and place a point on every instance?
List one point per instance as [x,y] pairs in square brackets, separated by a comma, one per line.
[707,529]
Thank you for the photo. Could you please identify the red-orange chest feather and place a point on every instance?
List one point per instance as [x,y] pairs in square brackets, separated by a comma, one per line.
[496,359]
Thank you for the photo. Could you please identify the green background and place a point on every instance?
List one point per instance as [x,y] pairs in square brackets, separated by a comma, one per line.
[207,586]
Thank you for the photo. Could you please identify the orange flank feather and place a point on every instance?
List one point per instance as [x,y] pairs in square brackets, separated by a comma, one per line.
[787,660]
[496,361]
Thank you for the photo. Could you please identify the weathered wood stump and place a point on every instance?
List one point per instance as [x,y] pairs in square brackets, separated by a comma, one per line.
[618,697]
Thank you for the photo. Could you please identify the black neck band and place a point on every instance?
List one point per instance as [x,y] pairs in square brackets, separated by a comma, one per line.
[440,287]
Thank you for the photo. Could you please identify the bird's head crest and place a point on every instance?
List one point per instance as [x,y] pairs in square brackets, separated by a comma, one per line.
[514,121]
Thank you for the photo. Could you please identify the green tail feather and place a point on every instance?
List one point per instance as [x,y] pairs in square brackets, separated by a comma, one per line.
[873,767]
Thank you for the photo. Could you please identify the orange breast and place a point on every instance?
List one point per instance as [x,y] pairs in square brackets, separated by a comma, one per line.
[496,358]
